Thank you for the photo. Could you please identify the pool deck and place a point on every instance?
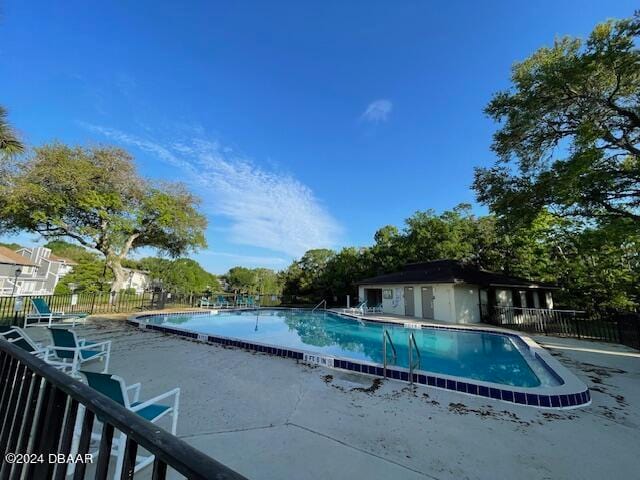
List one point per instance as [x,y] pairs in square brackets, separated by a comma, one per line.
[272,418]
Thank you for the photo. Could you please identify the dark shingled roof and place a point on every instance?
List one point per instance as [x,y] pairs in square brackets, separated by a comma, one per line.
[451,271]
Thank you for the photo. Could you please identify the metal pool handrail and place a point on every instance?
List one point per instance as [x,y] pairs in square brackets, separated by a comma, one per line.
[318,305]
[386,337]
[38,410]
[412,345]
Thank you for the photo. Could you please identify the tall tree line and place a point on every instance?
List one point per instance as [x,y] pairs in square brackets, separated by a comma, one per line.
[596,269]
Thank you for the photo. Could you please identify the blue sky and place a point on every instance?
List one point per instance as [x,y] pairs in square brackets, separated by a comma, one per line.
[300,124]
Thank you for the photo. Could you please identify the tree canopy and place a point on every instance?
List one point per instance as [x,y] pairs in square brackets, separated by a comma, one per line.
[253,280]
[95,197]
[569,140]
[180,275]
[597,267]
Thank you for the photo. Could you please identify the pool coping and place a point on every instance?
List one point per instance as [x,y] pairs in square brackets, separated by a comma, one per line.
[572,393]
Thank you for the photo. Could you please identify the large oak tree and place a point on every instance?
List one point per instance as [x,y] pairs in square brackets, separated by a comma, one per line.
[95,197]
[569,140]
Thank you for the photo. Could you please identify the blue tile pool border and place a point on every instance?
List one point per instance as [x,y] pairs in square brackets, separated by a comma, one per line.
[539,400]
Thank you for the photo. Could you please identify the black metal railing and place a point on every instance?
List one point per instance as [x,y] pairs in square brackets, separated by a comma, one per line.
[14,309]
[614,327]
[40,408]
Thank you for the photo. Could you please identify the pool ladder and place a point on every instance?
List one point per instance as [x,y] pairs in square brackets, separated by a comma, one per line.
[387,338]
[413,346]
[318,305]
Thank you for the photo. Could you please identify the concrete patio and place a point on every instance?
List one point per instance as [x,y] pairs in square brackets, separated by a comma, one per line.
[273,418]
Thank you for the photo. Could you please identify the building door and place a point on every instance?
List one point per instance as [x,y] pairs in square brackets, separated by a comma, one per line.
[409,302]
[373,296]
[427,302]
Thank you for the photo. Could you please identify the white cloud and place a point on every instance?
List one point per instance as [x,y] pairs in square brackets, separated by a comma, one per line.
[267,209]
[249,259]
[378,111]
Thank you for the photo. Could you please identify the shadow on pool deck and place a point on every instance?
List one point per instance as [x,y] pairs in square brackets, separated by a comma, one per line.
[273,418]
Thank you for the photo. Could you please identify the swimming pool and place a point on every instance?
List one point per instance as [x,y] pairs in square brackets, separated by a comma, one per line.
[479,357]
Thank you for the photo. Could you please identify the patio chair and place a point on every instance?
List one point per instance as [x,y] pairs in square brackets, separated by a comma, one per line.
[250,301]
[375,309]
[204,302]
[115,388]
[360,308]
[221,301]
[71,352]
[17,336]
[43,312]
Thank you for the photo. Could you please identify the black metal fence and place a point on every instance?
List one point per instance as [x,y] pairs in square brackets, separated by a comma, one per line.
[614,327]
[14,309]
[43,409]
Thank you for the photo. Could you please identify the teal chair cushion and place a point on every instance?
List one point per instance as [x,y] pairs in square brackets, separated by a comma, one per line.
[22,343]
[41,306]
[63,338]
[5,329]
[103,383]
[87,354]
[152,411]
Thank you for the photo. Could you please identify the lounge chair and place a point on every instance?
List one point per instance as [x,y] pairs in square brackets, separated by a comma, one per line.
[360,308]
[17,336]
[43,312]
[71,352]
[222,302]
[115,388]
[375,309]
[204,302]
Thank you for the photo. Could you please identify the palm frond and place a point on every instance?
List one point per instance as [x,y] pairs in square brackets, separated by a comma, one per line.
[10,144]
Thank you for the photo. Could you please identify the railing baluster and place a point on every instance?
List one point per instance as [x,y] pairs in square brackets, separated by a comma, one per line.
[83,445]
[12,439]
[40,421]
[129,463]
[8,417]
[7,380]
[48,443]
[159,470]
[25,428]
[67,437]
[104,453]
[4,366]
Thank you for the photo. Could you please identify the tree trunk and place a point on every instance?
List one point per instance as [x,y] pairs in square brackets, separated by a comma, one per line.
[119,276]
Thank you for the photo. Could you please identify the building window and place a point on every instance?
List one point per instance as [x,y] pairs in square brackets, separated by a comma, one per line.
[523,299]
[504,298]
[549,298]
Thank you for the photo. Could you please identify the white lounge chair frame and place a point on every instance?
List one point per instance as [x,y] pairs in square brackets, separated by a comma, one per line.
[38,350]
[118,446]
[49,317]
[81,344]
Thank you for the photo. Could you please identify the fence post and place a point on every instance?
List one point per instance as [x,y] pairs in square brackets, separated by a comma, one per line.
[93,302]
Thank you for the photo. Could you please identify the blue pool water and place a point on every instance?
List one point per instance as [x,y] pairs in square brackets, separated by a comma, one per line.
[475,355]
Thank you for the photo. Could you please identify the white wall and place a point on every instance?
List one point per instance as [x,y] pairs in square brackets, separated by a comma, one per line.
[443,304]
[466,302]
